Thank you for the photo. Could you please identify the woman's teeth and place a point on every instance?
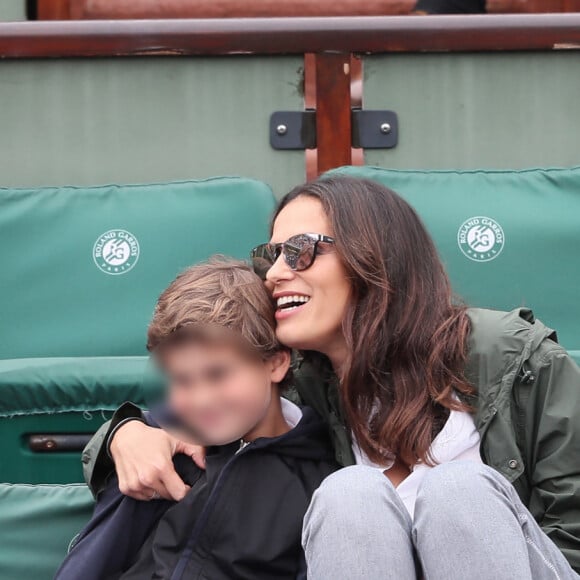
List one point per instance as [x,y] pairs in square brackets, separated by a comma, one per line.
[292,301]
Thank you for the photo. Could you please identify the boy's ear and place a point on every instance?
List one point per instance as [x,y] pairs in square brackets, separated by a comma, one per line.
[279,365]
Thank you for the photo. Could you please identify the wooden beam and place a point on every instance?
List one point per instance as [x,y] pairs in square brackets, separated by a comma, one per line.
[53,9]
[311,155]
[115,9]
[356,100]
[333,111]
[289,35]
[545,6]
[331,155]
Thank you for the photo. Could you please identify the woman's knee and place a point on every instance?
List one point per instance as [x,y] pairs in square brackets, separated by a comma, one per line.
[356,483]
[448,488]
[459,480]
[357,525]
[357,509]
[351,494]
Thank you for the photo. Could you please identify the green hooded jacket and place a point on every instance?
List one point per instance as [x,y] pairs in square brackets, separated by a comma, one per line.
[527,413]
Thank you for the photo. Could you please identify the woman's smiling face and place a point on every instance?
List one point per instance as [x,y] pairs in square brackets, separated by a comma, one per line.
[323,288]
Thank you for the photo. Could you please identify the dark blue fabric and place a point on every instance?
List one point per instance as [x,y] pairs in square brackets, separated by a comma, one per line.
[123,526]
[241,519]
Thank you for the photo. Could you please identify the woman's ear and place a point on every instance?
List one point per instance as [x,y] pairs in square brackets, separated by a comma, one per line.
[279,365]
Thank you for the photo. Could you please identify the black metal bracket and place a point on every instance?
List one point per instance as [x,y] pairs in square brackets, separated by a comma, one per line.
[293,129]
[370,129]
[374,129]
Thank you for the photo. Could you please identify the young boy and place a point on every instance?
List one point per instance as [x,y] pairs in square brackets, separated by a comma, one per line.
[213,335]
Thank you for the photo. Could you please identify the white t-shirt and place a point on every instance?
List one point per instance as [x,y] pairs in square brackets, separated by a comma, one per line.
[291,412]
[458,440]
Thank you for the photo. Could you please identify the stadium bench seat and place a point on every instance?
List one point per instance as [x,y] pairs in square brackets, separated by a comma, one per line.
[49,404]
[77,290]
[86,265]
[508,238]
[37,524]
[80,282]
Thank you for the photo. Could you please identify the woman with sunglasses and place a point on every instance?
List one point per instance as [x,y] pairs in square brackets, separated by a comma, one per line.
[459,426]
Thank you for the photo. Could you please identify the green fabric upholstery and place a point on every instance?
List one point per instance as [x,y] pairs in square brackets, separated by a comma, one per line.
[71,281]
[538,211]
[80,278]
[37,524]
[63,396]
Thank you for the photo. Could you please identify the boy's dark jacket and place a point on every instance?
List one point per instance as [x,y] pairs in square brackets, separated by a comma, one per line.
[241,520]
[527,414]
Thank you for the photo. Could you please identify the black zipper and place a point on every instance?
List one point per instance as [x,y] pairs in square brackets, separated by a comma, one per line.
[203,517]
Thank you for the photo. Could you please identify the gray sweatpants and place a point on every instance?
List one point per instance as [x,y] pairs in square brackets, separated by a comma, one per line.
[469,525]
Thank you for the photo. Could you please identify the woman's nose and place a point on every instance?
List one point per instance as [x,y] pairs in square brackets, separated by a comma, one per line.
[279,272]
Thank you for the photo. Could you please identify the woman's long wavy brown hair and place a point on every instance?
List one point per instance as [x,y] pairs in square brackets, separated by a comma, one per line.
[406,335]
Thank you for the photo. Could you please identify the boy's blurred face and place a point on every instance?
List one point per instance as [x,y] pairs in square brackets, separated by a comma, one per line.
[216,390]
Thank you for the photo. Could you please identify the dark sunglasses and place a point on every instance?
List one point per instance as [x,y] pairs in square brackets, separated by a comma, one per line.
[298,251]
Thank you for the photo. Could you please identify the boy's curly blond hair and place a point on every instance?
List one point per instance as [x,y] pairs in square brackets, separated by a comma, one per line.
[222,293]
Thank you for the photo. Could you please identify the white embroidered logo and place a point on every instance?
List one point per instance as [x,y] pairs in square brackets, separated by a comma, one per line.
[481,239]
[116,252]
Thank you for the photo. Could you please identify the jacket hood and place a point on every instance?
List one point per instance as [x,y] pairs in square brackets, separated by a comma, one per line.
[499,343]
[309,439]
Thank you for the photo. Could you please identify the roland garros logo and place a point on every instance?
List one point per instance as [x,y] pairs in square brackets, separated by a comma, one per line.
[116,252]
[481,239]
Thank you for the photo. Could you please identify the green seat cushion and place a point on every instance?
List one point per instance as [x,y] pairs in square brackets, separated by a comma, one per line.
[82,268]
[37,524]
[62,396]
[508,238]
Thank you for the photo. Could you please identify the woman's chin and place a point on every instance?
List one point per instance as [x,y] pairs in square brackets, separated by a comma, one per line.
[287,339]
[293,338]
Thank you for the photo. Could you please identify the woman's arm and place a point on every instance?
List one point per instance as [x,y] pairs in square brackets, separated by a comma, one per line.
[96,458]
[140,454]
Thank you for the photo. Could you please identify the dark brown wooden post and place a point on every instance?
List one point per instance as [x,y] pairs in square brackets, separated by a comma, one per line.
[546,6]
[571,5]
[333,110]
[53,9]
[154,9]
[310,156]
[356,100]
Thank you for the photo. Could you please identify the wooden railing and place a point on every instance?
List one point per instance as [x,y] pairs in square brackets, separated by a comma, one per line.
[289,35]
[330,46]
[154,9]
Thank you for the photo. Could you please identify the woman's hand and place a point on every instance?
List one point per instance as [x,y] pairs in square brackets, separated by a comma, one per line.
[143,460]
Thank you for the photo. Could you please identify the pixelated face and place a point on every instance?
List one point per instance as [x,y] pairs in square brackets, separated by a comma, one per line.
[217,391]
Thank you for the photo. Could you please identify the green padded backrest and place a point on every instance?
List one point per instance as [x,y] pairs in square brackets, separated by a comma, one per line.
[81,268]
[62,396]
[508,238]
[37,524]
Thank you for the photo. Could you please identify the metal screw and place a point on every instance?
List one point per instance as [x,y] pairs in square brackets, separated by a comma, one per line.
[385,128]
[281,129]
